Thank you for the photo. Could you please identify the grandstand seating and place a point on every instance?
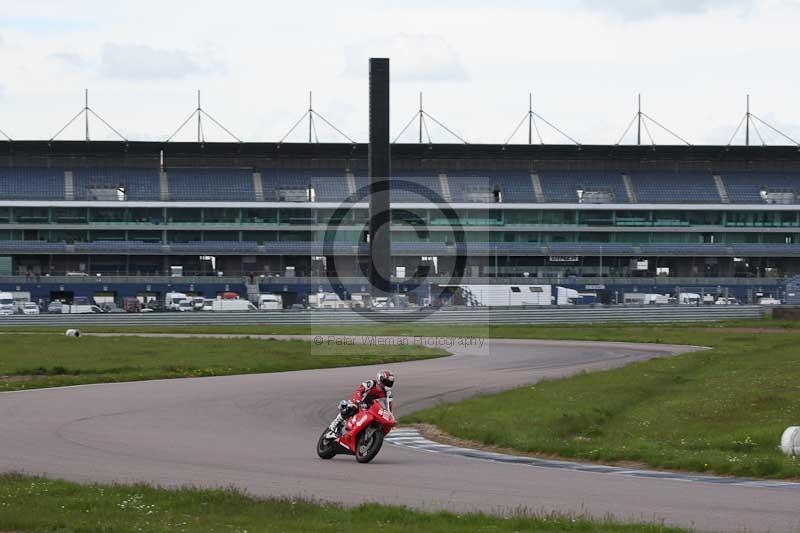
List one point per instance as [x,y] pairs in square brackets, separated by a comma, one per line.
[793,291]
[118,247]
[467,188]
[563,186]
[210,184]
[31,246]
[31,183]
[683,249]
[590,248]
[745,187]
[329,185]
[766,249]
[516,186]
[139,183]
[676,188]
[215,246]
[417,187]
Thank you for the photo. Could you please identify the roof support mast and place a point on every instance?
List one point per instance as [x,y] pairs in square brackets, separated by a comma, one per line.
[86,111]
[200,135]
[641,118]
[747,125]
[313,136]
[639,122]
[531,116]
[752,119]
[199,119]
[421,117]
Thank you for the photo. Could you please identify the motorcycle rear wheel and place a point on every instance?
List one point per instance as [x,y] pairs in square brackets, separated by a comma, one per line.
[366,451]
[326,448]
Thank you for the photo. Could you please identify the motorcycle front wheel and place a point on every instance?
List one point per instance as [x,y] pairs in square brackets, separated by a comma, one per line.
[369,444]
[326,448]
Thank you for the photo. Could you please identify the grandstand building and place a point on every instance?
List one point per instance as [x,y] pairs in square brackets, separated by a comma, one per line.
[116,217]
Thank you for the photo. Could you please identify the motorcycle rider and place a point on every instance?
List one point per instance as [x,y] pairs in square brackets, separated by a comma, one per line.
[366,393]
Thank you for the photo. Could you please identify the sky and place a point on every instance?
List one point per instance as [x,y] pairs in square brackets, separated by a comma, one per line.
[585,61]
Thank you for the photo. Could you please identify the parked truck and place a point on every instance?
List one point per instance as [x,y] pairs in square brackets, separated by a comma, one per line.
[565,296]
[172,300]
[7,304]
[20,299]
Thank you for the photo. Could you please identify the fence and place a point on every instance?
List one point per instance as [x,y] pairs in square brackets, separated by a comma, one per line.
[546,315]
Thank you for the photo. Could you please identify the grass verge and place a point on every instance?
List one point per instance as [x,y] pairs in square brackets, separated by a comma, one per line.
[721,410]
[50,360]
[37,504]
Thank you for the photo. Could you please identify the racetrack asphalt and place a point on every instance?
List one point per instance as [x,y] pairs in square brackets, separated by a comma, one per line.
[258,433]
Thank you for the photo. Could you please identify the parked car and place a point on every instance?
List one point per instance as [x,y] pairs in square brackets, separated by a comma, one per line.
[111,307]
[184,306]
[30,308]
[55,307]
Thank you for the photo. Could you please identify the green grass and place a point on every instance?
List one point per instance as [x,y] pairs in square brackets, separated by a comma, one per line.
[721,410]
[50,360]
[37,504]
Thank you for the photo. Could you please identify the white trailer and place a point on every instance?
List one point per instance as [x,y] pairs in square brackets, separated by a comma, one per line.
[658,299]
[645,298]
[689,298]
[80,309]
[232,305]
[481,295]
[269,302]
[327,300]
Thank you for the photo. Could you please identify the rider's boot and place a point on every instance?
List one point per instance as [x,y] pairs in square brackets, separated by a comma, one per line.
[334,427]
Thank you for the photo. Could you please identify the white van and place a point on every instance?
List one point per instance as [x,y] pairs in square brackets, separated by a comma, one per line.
[232,305]
[173,299]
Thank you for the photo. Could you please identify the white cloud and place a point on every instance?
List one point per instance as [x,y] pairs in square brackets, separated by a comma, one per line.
[142,62]
[643,9]
[71,59]
[420,57]
[584,61]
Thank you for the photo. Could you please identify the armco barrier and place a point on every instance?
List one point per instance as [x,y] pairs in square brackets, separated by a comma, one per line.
[546,315]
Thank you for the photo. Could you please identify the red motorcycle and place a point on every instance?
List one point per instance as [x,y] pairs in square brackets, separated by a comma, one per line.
[362,435]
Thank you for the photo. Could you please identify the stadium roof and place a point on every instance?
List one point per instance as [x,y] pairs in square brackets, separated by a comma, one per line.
[274,150]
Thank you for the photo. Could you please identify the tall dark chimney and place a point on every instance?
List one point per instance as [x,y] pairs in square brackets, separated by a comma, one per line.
[380,239]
